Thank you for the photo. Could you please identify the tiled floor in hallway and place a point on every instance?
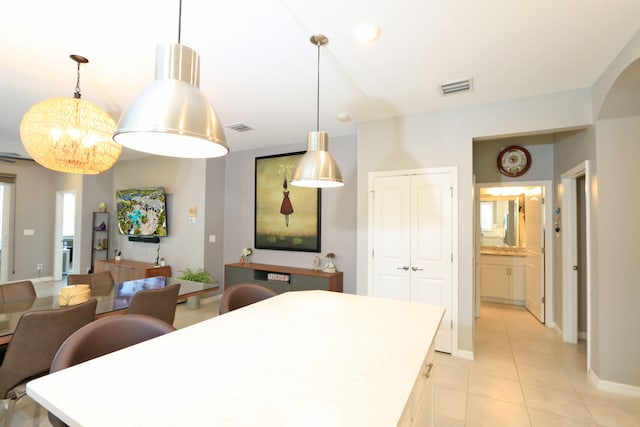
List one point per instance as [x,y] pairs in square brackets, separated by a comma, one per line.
[524,375]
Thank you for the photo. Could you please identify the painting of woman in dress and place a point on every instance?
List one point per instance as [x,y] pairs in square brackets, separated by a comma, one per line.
[286,208]
[275,197]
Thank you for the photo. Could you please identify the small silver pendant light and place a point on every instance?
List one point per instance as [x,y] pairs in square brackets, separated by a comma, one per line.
[172,117]
[316,168]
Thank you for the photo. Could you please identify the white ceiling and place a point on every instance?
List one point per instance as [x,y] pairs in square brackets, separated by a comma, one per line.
[259,68]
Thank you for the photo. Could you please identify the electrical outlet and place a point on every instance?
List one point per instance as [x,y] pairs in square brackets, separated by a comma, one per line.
[39,266]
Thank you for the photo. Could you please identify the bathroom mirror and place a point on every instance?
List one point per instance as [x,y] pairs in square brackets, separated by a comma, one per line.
[502,220]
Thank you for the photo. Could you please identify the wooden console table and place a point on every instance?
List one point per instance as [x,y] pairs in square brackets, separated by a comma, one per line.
[125,270]
[298,279]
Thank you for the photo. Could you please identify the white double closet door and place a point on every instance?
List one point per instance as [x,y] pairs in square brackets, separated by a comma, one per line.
[412,233]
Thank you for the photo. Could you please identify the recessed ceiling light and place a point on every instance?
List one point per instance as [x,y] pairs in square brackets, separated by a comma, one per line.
[367,32]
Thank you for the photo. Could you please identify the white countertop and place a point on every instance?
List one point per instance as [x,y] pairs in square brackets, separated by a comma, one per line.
[311,358]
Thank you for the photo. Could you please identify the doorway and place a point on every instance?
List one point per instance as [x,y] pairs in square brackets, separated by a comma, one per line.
[65,234]
[7,199]
[574,248]
[513,249]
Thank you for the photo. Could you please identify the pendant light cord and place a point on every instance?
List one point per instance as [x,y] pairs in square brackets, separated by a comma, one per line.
[77,93]
[318,97]
[179,21]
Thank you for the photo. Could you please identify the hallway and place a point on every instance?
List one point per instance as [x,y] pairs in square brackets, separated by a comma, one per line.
[523,375]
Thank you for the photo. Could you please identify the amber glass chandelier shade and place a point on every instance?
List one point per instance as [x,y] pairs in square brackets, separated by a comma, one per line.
[70,135]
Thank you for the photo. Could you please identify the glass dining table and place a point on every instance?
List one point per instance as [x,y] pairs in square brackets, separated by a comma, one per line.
[112,299]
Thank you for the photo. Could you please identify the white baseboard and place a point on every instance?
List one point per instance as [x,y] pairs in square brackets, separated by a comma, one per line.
[464,354]
[609,386]
[42,279]
[582,335]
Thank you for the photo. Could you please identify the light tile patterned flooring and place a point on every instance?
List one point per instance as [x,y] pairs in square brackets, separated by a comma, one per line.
[522,375]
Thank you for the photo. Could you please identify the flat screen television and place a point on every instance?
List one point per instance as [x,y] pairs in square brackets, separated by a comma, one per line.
[142,212]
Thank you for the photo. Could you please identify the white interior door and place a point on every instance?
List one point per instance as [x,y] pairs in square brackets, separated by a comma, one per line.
[412,243]
[391,237]
[431,247]
[534,261]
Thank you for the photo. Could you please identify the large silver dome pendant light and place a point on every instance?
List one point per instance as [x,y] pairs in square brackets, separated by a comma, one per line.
[172,117]
[316,168]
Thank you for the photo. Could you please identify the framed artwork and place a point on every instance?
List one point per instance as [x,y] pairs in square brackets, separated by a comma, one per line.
[286,217]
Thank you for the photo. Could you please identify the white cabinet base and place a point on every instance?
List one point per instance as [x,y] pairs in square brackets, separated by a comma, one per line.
[502,279]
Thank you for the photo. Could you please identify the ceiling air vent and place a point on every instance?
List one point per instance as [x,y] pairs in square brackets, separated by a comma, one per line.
[239,127]
[456,87]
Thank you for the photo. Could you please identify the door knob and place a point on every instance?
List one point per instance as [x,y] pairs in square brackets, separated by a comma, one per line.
[404,267]
[417,269]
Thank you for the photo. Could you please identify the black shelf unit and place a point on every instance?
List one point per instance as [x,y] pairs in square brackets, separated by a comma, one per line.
[99,237]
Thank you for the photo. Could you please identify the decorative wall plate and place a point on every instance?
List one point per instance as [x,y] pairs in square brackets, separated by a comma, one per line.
[514,161]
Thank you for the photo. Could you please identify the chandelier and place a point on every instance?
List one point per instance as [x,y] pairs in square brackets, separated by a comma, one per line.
[69,134]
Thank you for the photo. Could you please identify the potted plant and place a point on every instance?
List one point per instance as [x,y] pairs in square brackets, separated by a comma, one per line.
[330,267]
[246,256]
[199,275]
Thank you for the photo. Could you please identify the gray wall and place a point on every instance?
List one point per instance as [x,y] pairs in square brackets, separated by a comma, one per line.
[485,154]
[93,189]
[184,181]
[214,224]
[34,210]
[338,221]
[617,318]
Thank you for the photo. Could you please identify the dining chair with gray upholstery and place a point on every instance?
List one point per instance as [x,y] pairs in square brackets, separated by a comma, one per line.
[102,278]
[101,283]
[36,339]
[159,303]
[79,279]
[16,291]
[105,336]
[243,294]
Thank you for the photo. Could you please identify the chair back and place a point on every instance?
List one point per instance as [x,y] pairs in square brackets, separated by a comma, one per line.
[17,291]
[158,303]
[102,278]
[105,336]
[37,337]
[243,294]
[79,279]
[101,283]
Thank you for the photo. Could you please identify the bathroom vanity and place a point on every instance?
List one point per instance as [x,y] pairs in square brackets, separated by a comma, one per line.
[502,276]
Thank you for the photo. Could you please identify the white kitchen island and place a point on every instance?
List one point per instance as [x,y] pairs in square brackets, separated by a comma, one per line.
[309,358]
